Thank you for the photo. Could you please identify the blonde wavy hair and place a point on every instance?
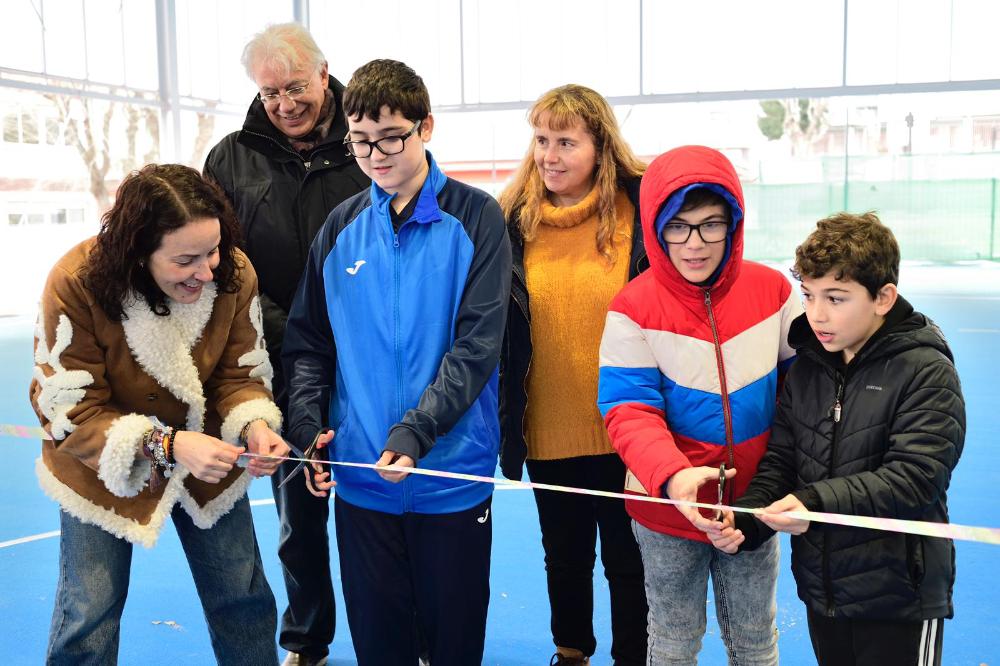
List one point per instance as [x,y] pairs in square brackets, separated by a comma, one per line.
[566,106]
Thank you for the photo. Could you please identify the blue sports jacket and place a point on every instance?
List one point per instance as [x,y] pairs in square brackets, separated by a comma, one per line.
[393,340]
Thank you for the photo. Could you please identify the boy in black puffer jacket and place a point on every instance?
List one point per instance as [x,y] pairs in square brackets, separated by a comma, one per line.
[870,422]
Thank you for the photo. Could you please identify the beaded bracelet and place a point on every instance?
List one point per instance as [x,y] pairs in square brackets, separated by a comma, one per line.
[168,446]
[153,448]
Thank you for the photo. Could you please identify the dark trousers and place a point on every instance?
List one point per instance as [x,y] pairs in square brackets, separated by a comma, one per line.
[570,524]
[308,623]
[410,573]
[844,642]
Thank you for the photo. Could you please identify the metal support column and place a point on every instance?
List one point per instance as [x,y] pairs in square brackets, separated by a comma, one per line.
[300,12]
[170,103]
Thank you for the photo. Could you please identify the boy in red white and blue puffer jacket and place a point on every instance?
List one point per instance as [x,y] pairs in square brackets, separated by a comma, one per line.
[692,357]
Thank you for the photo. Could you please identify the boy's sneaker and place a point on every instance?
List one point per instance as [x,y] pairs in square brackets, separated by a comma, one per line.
[559,659]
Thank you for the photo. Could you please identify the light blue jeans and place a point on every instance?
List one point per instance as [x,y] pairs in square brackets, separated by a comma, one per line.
[94,579]
[677,572]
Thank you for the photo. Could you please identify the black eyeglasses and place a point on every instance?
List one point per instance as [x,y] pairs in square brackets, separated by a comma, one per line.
[387,145]
[678,233]
[274,98]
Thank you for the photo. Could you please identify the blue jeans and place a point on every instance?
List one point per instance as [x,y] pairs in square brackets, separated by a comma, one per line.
[94,568]
[677,572]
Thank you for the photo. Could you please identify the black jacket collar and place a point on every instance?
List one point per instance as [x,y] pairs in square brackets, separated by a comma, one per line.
[903,327]
[261,135]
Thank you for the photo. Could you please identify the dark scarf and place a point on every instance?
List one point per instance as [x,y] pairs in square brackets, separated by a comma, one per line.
[321,130]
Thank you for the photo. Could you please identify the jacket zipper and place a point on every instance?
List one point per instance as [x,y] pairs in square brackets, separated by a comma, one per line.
[407,500]
[727,413]
[281,147]
[306,164]
[835,412]
[531,346]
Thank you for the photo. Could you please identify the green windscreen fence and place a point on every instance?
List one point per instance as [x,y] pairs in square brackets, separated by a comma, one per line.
[934,220]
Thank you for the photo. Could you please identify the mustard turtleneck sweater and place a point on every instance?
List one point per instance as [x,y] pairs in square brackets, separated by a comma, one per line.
[570,284]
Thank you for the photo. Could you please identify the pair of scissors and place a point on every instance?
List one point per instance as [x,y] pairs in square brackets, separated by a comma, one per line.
[311,453]
[722,489]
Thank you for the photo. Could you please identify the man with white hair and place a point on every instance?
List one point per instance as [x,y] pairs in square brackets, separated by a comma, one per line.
[284,172]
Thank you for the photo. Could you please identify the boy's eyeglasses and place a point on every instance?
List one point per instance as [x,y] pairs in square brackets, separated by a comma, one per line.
[710,232]
[274,99]
[387,145]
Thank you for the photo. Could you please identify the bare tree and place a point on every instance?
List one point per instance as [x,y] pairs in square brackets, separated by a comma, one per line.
[206,129]
[94,149]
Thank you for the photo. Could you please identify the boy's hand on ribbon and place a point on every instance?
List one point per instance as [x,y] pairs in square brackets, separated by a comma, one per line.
[683,486]
[318,481]
[727,538]
[393,458]
[772,516]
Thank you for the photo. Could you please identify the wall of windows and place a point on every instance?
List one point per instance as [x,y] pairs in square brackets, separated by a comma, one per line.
[855,104]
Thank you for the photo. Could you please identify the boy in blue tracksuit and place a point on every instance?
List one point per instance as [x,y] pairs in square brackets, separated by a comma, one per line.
[393,341]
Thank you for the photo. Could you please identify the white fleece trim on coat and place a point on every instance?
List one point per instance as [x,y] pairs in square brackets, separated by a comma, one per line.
[258,356]
[162,347]
[245,412]
[63,389]
[109,521]
[206,516]
[122,467]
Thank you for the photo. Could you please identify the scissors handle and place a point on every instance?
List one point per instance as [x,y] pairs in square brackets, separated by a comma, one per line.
[722,489]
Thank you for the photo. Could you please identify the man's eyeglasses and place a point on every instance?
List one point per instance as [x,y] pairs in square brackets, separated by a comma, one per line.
[387,145]
[678,233]
[274,98]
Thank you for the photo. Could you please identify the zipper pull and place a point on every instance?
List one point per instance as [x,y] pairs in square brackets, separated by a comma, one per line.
[708,298]
[837,407]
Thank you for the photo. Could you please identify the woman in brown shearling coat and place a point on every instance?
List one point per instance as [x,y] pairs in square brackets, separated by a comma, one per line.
[152,377]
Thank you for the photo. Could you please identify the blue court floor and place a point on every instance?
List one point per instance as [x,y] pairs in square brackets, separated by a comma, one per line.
[163,623]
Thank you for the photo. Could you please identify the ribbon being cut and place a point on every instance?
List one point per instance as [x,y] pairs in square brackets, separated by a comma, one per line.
[990,535]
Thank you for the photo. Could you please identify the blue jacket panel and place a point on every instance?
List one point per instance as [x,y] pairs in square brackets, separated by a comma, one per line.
[399,334]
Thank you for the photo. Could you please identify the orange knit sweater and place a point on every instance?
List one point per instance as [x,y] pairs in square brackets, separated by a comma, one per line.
[570,284]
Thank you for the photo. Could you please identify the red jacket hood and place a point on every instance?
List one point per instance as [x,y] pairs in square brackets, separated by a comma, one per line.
[671,171]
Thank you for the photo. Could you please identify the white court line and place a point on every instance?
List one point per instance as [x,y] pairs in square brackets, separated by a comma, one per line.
[979,330]
[49,535]
[28,539]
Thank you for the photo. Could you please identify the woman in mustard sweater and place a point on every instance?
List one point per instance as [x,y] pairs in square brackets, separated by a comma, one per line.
[573,217]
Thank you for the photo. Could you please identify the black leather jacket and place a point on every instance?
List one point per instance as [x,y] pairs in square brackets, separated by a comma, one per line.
[900,432]
[281,200]
[515,355]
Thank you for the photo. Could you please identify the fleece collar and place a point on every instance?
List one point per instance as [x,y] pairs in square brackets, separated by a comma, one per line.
[162,346]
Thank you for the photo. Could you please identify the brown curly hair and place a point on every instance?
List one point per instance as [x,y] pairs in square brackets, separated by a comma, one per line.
[150,203]
[855,247]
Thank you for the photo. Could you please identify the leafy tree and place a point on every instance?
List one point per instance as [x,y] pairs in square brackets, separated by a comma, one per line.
[772,123]
[802,120]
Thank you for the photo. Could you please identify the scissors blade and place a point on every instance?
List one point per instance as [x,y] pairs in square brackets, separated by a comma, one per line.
[722,489]
[308,453]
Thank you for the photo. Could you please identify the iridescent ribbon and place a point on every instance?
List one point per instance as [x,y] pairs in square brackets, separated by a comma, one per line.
[990,535]
[27,432]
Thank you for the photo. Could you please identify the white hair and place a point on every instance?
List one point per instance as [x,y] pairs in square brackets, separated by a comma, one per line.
[284,47]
